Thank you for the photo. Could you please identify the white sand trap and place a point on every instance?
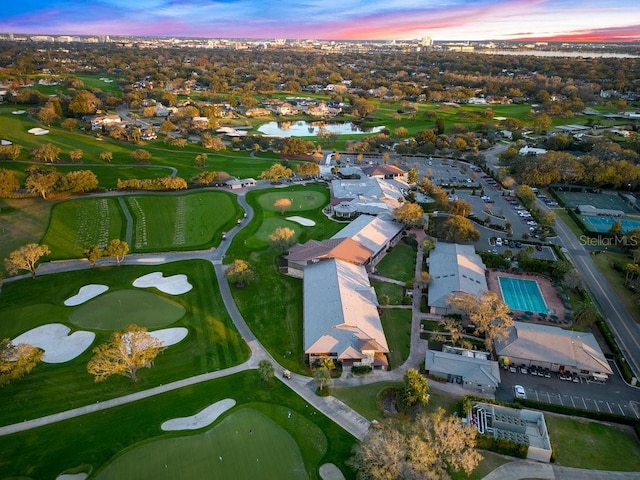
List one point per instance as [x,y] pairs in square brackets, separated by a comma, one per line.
[19,112]
[201,419]
[173,285]
[38,131]
[170,336]
[58,345]
[302,221]
[72,476]
[329,471]
[85,293]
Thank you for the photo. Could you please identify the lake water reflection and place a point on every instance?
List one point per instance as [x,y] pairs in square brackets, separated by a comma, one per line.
[307,129]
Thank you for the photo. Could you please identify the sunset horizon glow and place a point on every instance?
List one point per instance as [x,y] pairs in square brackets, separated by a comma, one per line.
[441,20]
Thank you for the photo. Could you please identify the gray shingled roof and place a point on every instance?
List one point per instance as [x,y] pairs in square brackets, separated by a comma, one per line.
[473,370]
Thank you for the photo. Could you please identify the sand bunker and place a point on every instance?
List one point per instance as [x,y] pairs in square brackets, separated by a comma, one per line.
[173,285]
[38,131]
[329,471]
[58,345]
[170,336]
[19,112]
[201,419]
[85,293]
[302,221]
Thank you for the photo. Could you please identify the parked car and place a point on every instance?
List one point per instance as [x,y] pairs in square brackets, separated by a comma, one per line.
[518,391]
[513,369]
[547,373]
[499,241]
[524,370]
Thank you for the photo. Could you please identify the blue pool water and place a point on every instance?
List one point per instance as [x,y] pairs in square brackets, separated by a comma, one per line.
[524,295]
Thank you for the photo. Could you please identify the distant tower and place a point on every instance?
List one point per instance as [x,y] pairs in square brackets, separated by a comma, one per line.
[426,42]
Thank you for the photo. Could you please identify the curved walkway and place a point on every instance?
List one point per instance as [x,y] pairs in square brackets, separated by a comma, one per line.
[523,469]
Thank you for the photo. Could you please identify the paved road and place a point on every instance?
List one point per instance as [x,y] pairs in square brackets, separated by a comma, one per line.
[523,469]
[624,327]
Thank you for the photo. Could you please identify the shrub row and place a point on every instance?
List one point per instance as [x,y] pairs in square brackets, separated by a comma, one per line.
[625,370]
[502,446]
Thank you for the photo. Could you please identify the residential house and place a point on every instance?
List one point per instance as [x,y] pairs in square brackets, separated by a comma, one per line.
[100,121]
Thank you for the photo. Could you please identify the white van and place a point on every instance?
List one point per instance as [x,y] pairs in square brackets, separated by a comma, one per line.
[498,242]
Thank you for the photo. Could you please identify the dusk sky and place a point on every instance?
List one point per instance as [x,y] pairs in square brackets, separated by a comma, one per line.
[566,20]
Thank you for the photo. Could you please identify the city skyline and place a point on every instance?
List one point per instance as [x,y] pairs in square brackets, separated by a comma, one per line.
[442,20]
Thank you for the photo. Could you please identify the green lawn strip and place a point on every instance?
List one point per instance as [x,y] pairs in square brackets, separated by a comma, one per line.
[616,280]
[393,291]
[582,443]
[272,304]
[78,224]
[22,221]
[213,342]
[396,323]
[569,222]
[399,263]
[100,438]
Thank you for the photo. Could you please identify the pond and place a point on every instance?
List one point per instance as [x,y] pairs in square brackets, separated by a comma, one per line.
[308,129]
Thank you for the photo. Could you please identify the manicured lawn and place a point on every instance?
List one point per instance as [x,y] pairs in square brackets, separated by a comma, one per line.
[182,221]
[583,443]
[78,224]
[95,440]
[397,328]
[300,200]
[393,291]
[116,310]
[364,399]
[272,304]
[22,221]
[246,444]
[399,263]
[212,343]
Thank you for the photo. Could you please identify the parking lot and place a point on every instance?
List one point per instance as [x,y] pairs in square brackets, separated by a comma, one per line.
[615,396]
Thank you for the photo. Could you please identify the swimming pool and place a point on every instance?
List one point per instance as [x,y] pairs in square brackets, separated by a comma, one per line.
[524,295]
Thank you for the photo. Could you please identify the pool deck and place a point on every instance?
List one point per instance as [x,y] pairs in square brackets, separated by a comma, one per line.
[549,293]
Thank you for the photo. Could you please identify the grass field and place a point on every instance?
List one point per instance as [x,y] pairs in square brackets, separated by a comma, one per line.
[300,200]
[616,281]
[393,291]
[272,304]
[396,323]
[245,445]
[96,440]
[22,221]
[399,263]
[184,221]
[116,310]
[78,224]
[582,443]
[212,342]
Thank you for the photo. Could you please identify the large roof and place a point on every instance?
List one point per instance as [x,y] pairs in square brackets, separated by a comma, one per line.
[474,370]
[369,195]
[340,309]
[383,170]
[543,343]
[454,268]
[341,248]
[374,233]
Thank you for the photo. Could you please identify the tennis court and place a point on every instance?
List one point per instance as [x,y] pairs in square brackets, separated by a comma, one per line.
[604,224]
[599,200]
[523,295]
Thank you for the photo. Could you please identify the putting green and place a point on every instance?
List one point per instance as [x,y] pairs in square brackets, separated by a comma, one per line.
[300,200]
[270,224]
[116,310]
[245,445]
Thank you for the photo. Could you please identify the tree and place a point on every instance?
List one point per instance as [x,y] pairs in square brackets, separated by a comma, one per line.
[541,122]
[526,195]
[93,254]
[282,238]
[415,390]
[26,258]
[201,160]
[412,176]
[266,371]
[239,273]
[17,360]
[69,124]
[41,181]
[47,153]
[212,142]
[308,169]
[487,312]
[76,155]
[276,172]
[460,207]
[124,354]
[585,313]
[8,182]
[47,114]
[328,363]
[409,214]
[106,155]
[204,178]
[117,249]
[79,181]
[459,228]
[431,447]
[141,156]
[282,204]
[84,103]
[323,376]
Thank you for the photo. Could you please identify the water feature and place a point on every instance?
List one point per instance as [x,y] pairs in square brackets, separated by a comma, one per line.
[302,128]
